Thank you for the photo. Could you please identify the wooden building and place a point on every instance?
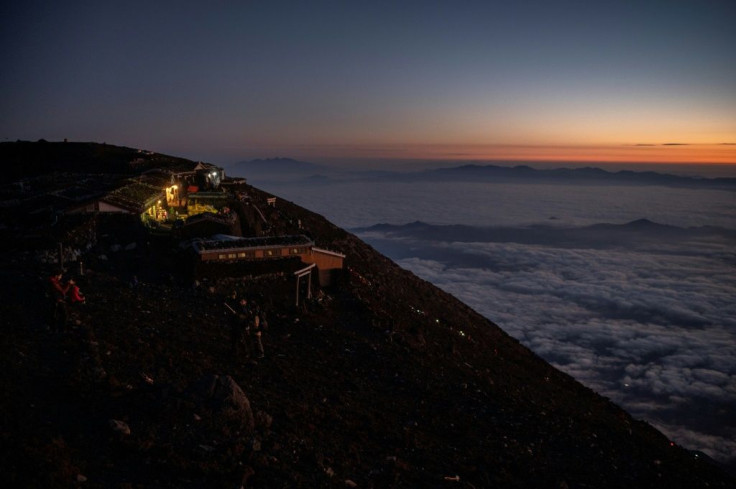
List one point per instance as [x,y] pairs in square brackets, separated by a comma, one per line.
[327,263]
[133,198]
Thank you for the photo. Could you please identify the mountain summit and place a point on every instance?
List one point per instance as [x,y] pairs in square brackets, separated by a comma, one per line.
[378,379]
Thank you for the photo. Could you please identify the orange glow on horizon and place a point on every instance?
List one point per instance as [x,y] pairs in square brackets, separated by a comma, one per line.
[633,153]
[660,153]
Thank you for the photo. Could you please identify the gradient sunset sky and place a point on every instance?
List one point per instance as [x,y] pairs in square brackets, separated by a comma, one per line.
[227,80]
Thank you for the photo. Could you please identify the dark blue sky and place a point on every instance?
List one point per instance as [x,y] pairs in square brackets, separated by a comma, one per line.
[227,80]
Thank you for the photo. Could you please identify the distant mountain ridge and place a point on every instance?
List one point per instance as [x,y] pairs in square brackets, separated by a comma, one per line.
[278,166]
[500,174]
[601,235]
[287,167]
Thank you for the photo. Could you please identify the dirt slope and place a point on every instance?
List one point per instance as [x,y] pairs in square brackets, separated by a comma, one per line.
[381,381]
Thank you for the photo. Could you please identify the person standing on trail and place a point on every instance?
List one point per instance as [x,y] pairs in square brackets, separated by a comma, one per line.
[233,309]
[75,294]
[240,329]
[257,333]
[58,291]
[232,305]
[58,296]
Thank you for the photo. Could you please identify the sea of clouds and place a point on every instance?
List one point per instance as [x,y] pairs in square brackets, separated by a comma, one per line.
[654,331]
[647,321]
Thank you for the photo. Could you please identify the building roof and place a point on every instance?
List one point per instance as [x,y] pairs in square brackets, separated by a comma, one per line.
[136,196]
[204,246]
[328,252]
[209,196]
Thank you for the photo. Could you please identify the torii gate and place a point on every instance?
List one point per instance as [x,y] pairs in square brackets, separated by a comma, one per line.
[301,273]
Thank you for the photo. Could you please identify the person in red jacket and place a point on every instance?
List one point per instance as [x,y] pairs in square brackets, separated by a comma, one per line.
[58,292]
[75,294]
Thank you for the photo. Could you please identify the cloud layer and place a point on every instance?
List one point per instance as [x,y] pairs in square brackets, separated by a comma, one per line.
[655,332]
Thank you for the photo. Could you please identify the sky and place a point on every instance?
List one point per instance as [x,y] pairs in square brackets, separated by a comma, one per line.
[222,81]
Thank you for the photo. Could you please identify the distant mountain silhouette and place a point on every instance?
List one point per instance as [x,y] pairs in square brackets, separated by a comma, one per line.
[595,236]
[278,166]
[290,168]
[588,175]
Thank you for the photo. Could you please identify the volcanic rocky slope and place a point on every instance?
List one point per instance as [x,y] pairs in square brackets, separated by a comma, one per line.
[382,380]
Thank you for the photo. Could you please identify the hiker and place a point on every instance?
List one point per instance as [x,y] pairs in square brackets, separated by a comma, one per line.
[240,328]
[248,319]
[232,303]
[58,295]
[258,326]
[231,309]
[75,295]
[58,291]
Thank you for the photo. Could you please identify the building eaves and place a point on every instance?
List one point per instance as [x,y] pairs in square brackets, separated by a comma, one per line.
[135,196]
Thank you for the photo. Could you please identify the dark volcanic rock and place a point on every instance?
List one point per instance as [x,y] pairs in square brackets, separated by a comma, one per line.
[223,397]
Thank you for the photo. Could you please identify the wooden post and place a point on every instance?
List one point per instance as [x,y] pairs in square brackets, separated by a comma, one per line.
[301,273]
[297,290]
[309,285]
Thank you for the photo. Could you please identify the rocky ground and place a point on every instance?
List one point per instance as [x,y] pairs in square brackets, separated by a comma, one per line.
[381,381]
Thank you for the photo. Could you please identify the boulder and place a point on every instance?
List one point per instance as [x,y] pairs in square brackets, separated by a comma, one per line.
[119,426]
[225,400]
